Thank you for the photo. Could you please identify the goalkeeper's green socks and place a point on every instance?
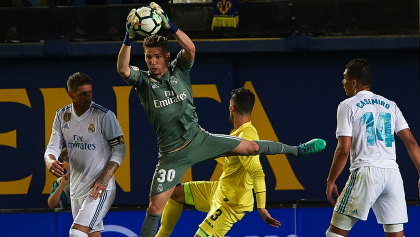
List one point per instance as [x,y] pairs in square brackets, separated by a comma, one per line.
[170,217]
[150,225]
[273,148]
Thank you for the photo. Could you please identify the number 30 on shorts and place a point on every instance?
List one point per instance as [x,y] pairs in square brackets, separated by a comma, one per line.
[166,176]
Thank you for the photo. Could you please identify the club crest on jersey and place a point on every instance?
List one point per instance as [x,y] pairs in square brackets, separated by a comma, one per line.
[160,188]
[134,68]
[173,80]
[154,86]
[91,128]
[67,117]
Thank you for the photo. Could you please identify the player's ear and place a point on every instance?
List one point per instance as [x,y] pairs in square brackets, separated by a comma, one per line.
[70,94]
[168,55]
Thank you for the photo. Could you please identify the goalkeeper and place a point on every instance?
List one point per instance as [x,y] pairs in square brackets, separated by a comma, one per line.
[226,201]
[166,95]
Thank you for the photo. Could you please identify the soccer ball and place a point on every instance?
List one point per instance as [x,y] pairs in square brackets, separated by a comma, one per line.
[149,22]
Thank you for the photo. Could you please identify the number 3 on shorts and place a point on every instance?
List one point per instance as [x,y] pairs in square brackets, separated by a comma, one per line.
[163,177]
[216,215]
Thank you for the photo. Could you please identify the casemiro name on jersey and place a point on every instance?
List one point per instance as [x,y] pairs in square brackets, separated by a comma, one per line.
[372,102]
[79,144]
[171,98]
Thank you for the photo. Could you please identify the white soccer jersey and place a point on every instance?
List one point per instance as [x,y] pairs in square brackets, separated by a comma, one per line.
[371,120]
[87,138]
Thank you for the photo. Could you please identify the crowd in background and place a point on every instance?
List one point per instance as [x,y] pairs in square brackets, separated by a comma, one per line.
[286,17]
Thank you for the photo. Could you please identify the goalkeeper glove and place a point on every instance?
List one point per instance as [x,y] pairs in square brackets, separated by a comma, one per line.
[129,31]
[166,23]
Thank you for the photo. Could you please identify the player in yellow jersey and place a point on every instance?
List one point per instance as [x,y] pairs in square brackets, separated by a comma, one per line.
[226,201]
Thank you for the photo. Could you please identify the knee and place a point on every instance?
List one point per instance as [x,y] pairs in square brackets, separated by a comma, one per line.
[256,148]
[341,223]
[77,230]
[253,148]
[155,209]
[95,234]
[77,233]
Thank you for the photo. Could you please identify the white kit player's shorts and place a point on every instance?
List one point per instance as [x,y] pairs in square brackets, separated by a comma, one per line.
[88,212]
[376,188]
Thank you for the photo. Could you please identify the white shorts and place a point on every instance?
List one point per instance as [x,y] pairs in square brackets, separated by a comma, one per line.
[376,188]
[88,212]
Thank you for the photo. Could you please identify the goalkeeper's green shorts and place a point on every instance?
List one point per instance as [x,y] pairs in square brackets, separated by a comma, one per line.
[172,166]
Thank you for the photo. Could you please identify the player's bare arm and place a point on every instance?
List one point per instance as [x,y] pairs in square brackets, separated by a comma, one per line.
[412,148]
[341,155]
[100,185]
[123,61]
[183,40]
[54,199]
[268,219]
[186,43]
[54,166]
[124,55]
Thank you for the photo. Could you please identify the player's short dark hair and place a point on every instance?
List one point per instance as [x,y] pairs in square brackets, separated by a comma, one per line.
[64,156]
[243,100]
[78,79]
[359,70]
[153,41]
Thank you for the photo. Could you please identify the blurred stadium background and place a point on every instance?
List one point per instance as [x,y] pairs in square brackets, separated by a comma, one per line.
[291,53]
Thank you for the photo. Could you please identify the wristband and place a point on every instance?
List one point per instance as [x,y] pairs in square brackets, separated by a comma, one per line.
[261,197]
[172,28]
[127,41]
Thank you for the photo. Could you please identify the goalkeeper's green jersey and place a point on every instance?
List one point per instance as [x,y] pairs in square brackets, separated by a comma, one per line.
[236,181]
[168,102]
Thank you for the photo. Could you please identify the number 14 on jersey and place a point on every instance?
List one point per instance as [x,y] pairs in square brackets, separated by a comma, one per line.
[383,128]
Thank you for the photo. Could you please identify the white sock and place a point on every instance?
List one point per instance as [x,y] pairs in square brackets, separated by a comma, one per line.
[329,233]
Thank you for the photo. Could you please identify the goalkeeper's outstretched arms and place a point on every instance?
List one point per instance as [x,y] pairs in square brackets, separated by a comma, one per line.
[124,55]
[183,39]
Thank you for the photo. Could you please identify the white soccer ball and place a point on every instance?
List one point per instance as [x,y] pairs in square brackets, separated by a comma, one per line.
[149,22]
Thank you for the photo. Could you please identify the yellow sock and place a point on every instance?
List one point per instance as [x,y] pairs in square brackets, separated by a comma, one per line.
[170,216]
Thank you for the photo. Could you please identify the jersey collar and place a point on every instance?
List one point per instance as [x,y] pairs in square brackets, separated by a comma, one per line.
[242,127]
[78,118]
[164,76]
[364,92]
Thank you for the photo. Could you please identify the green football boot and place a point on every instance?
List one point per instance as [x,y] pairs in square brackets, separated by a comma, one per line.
[313,146]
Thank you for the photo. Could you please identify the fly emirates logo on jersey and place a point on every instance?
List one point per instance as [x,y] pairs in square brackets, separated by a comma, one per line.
[79,144]
[171,99]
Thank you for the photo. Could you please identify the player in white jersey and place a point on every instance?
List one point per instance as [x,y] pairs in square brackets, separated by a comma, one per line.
[366,124]
[96,148]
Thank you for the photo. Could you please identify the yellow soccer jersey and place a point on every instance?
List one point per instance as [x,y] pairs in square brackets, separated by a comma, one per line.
[236,182]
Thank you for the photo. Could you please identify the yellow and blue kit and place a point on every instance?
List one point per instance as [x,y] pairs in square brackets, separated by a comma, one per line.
[228,199]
